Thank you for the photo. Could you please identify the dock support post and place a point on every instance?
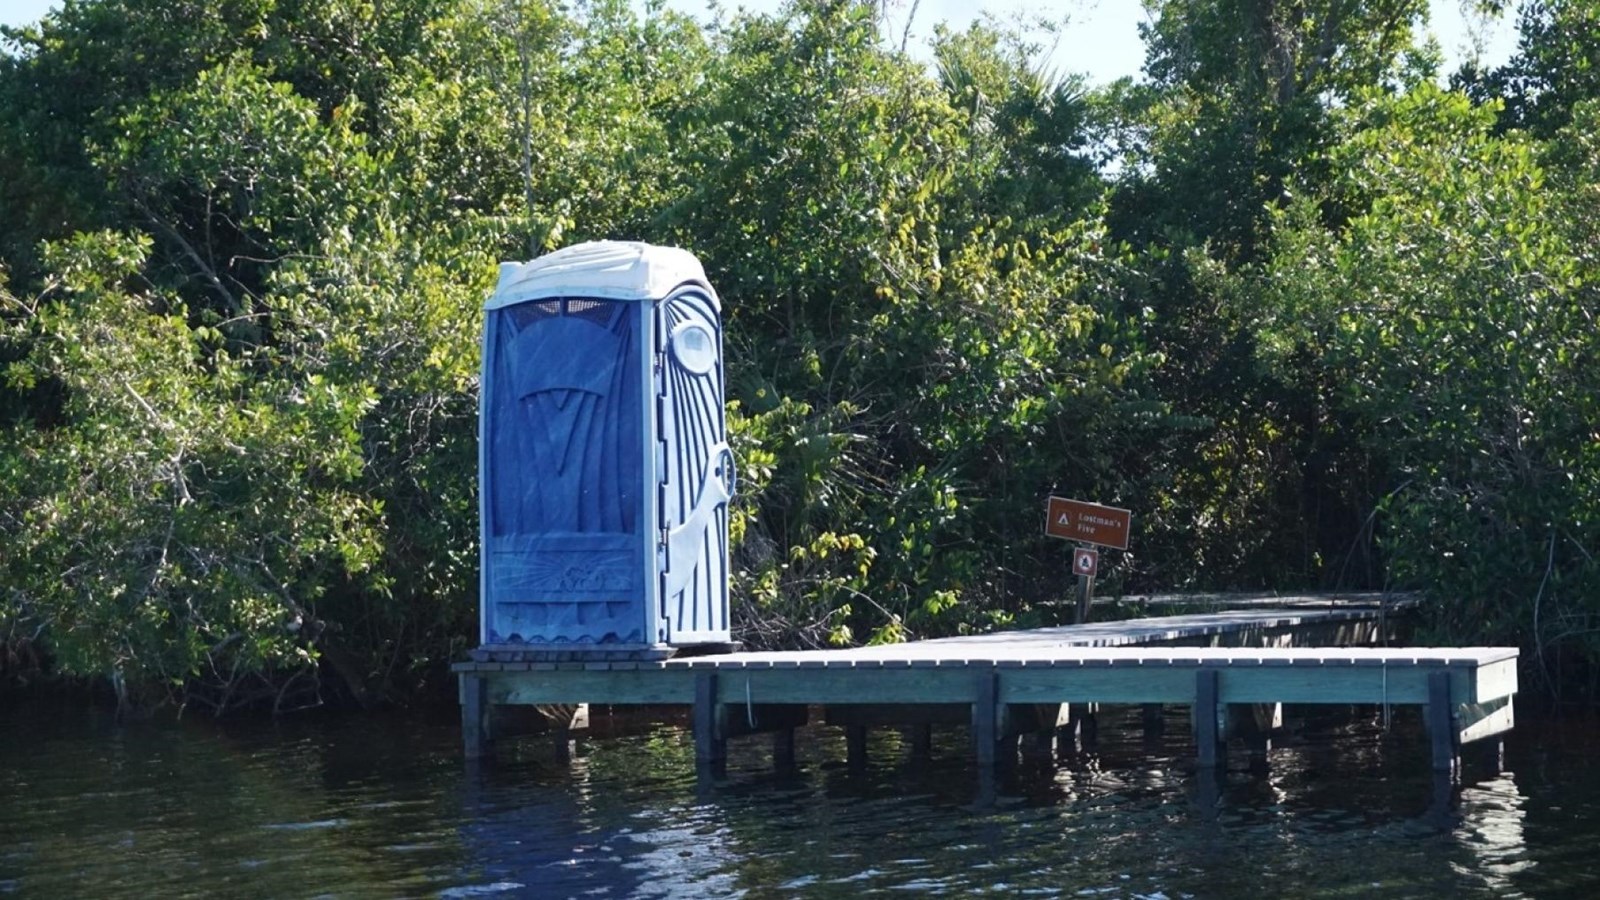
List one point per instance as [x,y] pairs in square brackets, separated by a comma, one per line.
[921,741]
[475,710]
[1207,793]
[1207,736]
[855,745]
[1492,755]
[565,721]
[986,731]
[710,744]
[1041,743]
[986,720]
[1441,723]
[1086,721]
[1154,724]
[1037,724]
[1080,732]
[1442,804]
[1255,724]
[783,749]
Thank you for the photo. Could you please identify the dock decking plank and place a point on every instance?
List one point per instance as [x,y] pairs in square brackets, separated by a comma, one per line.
[1029,653]
[1131,632]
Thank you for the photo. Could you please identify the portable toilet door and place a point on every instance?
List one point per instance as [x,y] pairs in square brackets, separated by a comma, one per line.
[695,467]
[603,464]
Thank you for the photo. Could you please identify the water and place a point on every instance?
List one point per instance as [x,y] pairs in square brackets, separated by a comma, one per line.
[385,807]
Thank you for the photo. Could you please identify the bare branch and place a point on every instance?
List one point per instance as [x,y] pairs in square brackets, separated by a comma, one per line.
[189,251]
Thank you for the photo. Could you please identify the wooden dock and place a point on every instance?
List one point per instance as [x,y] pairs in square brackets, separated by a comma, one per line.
[1011,683]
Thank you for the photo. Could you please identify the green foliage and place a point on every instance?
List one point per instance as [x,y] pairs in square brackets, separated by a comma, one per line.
[291,349]
[1557,66]
[1319,322]
[1263,481]
[1459,309]
[187,519]
[1238,101]
[915,335]
[1028,132]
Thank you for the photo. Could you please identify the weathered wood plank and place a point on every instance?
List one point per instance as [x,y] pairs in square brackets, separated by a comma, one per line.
[831,686]
[1262,684]
[1484,720]
[649,687]
[1329,684]
[1131,632]
[1392,601]
[1494,680]
[1029,654]
[1104,684]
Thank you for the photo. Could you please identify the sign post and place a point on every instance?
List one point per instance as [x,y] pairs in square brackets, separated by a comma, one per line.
[1085,597]
[1085,563]
[1087,523]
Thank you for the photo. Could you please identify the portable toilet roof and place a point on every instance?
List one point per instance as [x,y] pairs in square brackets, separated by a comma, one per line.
[612,270]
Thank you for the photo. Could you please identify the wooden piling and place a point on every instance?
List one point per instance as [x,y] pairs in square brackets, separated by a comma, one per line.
[1211,751]
[1441,723]
[475,716]
[710,746]
[855,740]
[1152,720]
[783,749]
[986,719]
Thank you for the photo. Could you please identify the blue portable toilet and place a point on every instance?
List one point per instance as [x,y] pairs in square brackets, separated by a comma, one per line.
[604,468]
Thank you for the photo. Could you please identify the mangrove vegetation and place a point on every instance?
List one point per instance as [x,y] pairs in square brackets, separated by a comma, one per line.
[1319,311]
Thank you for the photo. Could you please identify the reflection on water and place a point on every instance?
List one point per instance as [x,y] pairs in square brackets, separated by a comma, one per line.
[384,807]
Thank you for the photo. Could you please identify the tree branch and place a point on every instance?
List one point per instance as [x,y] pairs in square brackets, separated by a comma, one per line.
[194,256]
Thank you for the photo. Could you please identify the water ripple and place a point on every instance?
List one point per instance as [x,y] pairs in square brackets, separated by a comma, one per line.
[385,808]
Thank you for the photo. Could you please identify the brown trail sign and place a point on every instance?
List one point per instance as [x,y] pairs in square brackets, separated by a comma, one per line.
[1076,520]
